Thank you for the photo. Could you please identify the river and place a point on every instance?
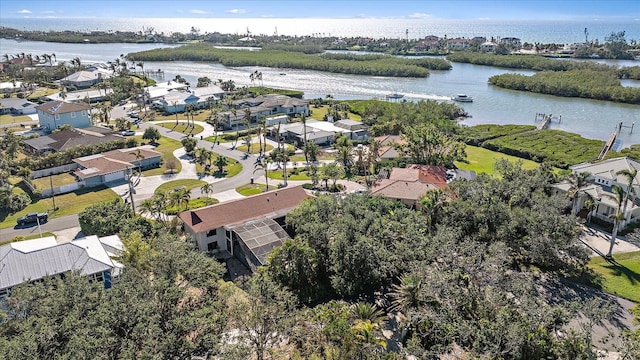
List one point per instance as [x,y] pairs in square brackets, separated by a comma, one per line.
[589,118]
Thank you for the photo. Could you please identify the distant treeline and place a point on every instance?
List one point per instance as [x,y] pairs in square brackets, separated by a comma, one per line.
[585,83]
[75,36]
[335,63]
[537,62]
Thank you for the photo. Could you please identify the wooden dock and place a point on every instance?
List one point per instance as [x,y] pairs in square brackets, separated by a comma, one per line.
[545,120]
[608,145]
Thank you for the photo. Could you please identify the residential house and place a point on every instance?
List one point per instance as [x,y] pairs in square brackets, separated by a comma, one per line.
[323,132]
[356,129]
[602,177]
[478,39]
[9,87]
[54,114]
[86,78]
[389,146]
[115,165]
[430,42]
[177,101]
[16,106]
[511,42]
[208,93]
[267,105]
[413,182]
[70,138]
[488,46]
[248,228]
[458,44]
[32,260]
[82,95]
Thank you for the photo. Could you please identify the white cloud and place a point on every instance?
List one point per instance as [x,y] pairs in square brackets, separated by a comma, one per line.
[196,11]
[236,11]
[25,11]
[419,15]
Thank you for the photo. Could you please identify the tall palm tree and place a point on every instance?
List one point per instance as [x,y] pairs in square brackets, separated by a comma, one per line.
[221,162]
[578,182]
[590,204]
[303,119]
[631,176]
[617,217]
[263,165]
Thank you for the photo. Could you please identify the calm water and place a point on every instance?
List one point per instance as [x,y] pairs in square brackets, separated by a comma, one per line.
[592,119]
[531,31]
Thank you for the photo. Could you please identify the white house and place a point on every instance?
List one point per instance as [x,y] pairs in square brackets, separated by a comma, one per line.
[488,46]
[86,78]
[458,44]
[602,177]
[511,41]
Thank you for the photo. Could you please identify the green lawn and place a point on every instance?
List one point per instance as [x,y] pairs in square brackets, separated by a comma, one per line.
[70,203]
[200,115]
[254,148]
[621,277]
[10,119]
[166,146]
[58,180]
[277,174]
[30,237]
[253,189]
[318,113]
[219,139]
[230,170]
[170,185]
[323,155]
[193,204]
[482,160]
[182,127]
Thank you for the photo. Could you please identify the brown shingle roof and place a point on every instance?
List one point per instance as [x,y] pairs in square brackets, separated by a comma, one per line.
[270,204]
[62,107]
[399,189]
[411,182]
[111,161]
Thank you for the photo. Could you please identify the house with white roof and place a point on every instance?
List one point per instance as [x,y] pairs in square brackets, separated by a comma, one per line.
[488,46]
[17,106]
[86,78]
[602,177]
[323,132]
[32,260]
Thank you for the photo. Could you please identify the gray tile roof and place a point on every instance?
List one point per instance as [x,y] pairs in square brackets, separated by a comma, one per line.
[34,259]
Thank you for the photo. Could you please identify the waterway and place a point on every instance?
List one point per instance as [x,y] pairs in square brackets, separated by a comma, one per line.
[492,105]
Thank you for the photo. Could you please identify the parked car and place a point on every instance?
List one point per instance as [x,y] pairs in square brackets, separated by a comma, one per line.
[127,133]
[33,218]
[133,115]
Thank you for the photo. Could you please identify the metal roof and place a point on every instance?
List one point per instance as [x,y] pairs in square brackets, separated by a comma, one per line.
[34,259]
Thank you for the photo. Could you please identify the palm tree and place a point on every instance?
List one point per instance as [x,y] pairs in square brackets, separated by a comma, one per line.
[590,204]
[303,119]
[406,295]
[363,311]
[431,203]
[281,155]
[263,165]
[312,149]
[138,155]
[181,197]
[578,183]
[617,217]
[235,115]
[631,176]
[207,189]
[221,162]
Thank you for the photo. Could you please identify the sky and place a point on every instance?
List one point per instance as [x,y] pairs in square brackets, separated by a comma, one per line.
[451,9]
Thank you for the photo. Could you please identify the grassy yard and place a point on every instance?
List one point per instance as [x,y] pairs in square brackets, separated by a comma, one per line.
[166,146]
[58,180]
[70,203]
[323,155]
[300,175]
[200,115]
[254,148]
[319,113]
[219,139]
[30,237]
[621,277]
[253,189]
[231,170]
[182,127]
[10,119]
[193,204]
[187,183]
[482,160]
[40,92]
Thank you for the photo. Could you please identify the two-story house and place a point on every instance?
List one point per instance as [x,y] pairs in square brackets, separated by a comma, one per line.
[54,114]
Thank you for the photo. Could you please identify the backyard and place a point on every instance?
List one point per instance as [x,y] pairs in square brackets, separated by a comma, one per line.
[166,146]
[620,276]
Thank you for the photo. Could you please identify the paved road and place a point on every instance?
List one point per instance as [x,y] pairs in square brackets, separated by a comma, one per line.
[52,225]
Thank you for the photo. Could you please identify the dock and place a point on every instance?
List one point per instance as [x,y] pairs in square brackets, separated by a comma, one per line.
[612,139]
[545,120]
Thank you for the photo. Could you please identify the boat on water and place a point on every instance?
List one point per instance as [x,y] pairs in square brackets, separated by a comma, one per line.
[462,98]
[395,96]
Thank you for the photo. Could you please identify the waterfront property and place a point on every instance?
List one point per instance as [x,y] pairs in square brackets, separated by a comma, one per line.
[263,106]
[389,147]
[602,177]
[248,228]
[323,132]
[32,260]
[82,95]
[409,184]
[86,78]
[54,114]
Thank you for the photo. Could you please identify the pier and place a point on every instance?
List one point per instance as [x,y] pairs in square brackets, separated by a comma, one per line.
[545,120]
[612,138]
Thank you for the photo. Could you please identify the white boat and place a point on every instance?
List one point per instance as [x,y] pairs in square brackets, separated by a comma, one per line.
[395,96]
[462,98]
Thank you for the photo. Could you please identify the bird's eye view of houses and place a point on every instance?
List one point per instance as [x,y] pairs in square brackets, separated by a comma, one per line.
[319,180]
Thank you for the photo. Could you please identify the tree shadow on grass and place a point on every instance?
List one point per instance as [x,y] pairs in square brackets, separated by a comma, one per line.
[618,269]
